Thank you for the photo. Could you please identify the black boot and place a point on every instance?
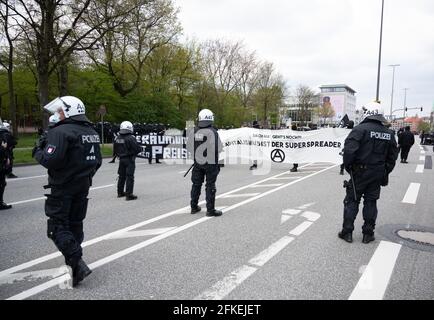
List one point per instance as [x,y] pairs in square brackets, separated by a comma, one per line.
[214,213]
[254,166]
[121,194]
[4,206]
[294,169]
[11,176]
[195,209]
[80,272]
[342,172]
[348,237]
[129,197]
[368,238]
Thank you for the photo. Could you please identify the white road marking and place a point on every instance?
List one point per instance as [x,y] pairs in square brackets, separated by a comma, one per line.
[26,178]
[141,233]
[222,288]
[263,257]
[300,228]
[311,216]
[411,194]
[241,195]
[108,235]
[419,168]
[284,218]
[422,158]
[267,185]
[291,211]
[43,198]
[33,275]
[287,178]
[35,290]
[182,172]
[305,206]
[375,279]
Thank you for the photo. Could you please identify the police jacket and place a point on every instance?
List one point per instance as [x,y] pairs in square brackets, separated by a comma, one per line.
[126,146]
[406,139]
[6,136]
[71,152]
[207,145]
[372,145]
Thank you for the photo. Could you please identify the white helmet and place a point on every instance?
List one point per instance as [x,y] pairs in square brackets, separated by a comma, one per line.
[205,118]
[126,127]
[7,126]
[54,119]
[71,106]
[371,110]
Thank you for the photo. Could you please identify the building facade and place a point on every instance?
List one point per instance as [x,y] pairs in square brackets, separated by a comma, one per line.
[342,99]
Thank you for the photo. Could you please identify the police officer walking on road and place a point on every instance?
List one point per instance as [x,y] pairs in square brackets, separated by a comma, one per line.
[71,153]
[207,146]
[370,153]
[126,148]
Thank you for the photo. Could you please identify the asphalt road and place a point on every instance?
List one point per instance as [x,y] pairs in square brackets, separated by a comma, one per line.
[277,238]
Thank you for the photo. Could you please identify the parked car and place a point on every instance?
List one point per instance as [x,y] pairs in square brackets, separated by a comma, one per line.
[429,138]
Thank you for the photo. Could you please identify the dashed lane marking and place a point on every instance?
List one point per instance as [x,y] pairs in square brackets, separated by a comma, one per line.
[419,168]
[267,185]
[263,257]
[26,178]
[302,227]
[412,193]
[375,278]
[241,195]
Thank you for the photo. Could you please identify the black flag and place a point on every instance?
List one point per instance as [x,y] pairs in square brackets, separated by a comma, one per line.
[344,122]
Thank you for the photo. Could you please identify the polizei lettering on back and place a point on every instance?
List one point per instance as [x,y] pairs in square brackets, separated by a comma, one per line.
[90,138]
[381,135]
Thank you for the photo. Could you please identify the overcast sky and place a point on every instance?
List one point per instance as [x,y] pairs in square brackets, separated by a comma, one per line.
[315,42]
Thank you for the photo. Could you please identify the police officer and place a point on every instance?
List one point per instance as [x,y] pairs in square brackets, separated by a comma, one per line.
[207,146]
[5,168]
[405,141]
[71,153]
[126,148]
[6,135]
[255,125]
[349,125]
[370,153]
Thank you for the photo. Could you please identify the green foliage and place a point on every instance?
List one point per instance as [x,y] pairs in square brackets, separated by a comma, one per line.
[423,126]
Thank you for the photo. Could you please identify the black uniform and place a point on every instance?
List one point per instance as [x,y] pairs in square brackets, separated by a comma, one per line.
[205,165]
[126,148]
[12,142]
[370,153]
[405,141]
[72,156]
[5,168]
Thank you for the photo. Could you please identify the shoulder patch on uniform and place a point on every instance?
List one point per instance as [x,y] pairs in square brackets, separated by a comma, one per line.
[50,149]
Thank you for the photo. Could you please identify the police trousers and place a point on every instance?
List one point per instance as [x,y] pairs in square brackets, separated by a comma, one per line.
[66,208]
[368,184]
[127,167]
[2,185]
[405,150]
[198,175]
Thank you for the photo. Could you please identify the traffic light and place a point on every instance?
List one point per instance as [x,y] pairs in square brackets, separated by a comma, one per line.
[405,109]
[421,108]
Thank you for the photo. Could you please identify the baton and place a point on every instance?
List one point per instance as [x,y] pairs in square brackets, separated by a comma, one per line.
[354,185]
[189,170]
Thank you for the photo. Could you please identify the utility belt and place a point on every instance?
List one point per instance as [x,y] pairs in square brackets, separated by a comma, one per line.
[359,167]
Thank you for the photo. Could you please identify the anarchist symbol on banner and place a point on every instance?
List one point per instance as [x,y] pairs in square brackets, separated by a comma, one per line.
[277,155]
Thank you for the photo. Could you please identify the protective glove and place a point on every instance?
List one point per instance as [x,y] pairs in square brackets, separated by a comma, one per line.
[385,180]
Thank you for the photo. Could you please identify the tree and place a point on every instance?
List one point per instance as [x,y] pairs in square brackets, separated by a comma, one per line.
[423,126]
[123,51]
[55,29]
[270,93]
[325,111]
[7,59]
[306,102]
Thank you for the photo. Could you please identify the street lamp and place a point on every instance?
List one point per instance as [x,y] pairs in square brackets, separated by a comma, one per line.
[379,53]
[405,100]
[393,83]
